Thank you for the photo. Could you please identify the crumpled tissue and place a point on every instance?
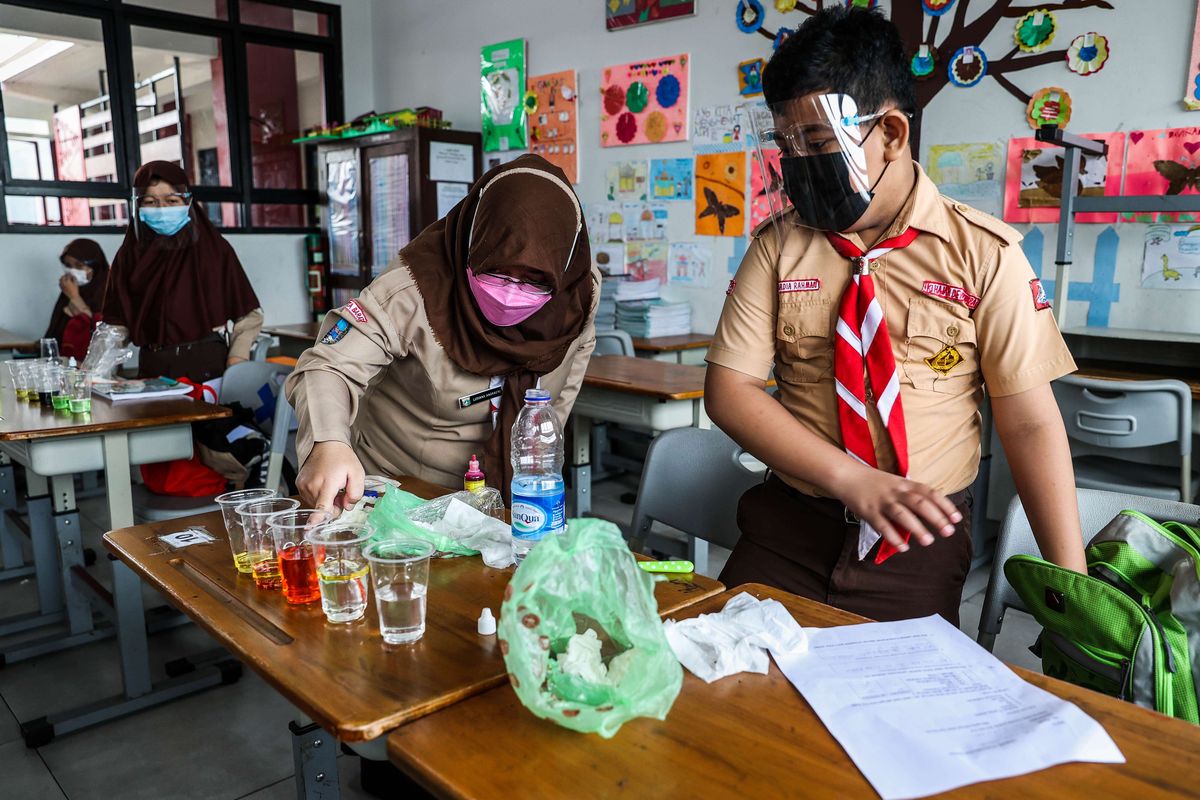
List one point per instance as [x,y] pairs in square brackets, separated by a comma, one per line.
[735,639]
[475,530]
[583,660]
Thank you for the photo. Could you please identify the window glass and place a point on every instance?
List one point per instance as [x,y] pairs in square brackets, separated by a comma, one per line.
[288,19]
[212,9]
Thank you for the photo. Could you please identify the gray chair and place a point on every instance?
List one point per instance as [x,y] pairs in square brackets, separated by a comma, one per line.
[692,482]
[613,343]
[1130,436]
[261,346]
[243,384]
[1096,509]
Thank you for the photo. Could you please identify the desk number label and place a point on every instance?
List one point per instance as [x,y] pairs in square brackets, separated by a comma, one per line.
[177,541]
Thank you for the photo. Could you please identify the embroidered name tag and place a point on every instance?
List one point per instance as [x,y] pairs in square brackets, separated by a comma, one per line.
[801,285]
[948,292]
[355,311]
[479,397]
[1040,300]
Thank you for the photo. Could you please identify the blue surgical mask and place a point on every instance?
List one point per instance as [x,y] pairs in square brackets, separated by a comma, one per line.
[166,221]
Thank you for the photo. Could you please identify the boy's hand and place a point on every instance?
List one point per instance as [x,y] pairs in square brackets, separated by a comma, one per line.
[892,504]
[331,478]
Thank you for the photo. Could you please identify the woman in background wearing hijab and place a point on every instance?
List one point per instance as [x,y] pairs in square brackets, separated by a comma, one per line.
[406,378]
[177,286]
[77,309]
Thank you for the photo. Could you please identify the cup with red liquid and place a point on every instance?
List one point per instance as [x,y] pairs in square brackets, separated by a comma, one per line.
[260,544]
[297,565]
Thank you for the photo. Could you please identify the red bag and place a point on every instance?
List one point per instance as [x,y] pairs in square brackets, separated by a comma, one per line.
[198,390]
[182,478]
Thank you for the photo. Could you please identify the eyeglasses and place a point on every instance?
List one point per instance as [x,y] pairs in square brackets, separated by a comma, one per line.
[164,201]
[813,139]
[492,279]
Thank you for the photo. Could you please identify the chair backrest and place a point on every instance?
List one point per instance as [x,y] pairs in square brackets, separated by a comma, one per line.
[613,343]
[258,386]
[692,481]
[1096,509]
[1126,414]
[260,348]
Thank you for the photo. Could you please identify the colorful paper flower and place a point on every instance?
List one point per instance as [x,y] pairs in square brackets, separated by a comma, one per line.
[1088,53]
[923,62]
[781,36]
[935,8]
[636,97]
[531,103]
[1035,31]
[861,3]
[667,91]
[1049,106]
[749,15]
[967,67]
[784,6]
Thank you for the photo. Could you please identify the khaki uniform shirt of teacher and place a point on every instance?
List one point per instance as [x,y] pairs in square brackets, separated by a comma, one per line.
[389,390]
[963,309]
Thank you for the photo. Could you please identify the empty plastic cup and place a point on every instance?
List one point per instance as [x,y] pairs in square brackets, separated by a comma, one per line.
[233,521]
[400,574]
[342,569]
[260,545]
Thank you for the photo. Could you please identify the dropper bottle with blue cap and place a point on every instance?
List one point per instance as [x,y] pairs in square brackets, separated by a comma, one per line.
[538,495]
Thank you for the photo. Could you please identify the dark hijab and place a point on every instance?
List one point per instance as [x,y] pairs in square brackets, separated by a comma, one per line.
[91,254]
[175,289]
[521,219]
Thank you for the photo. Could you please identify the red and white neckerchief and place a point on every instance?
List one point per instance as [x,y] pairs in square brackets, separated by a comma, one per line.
[862,353]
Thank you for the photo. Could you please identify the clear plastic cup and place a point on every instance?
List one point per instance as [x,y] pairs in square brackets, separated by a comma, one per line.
[400,574]
[260,544]
[79,391]
[18,373]
[233,521]
[297,568]
[49,349]
[342,569]
[49,383]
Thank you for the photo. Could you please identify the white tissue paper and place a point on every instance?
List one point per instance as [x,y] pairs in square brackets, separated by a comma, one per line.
[735,639]
[583,660]
[474,529]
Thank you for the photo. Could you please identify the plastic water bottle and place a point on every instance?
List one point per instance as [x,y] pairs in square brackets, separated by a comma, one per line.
[538,498]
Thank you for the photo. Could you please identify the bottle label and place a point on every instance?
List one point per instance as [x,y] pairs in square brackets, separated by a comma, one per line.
[473,484]
[535,516]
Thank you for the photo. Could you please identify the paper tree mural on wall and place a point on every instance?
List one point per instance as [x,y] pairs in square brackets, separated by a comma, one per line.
[939,30]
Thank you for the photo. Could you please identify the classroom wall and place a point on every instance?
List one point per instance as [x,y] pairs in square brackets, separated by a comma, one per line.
[421,58]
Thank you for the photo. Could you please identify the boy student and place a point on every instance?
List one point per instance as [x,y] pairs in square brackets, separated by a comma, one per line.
[885,308]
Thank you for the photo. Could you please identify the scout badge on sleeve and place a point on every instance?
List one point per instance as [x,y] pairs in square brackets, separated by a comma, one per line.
[336,333]
[1040,301]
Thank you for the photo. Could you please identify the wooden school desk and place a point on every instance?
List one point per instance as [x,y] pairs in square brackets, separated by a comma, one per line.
[294,339]
[672,348]
[748,736]
[1122,371]
[344,677]
[54,447]
[15,341]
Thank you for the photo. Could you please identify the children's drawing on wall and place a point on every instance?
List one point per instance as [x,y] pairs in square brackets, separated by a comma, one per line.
[1033,181]
[645,102]
[764,187]
[1172,257]
[609,258]
[750,77]
[493,160]
[1165,161]
[717,128]
[550,103]
[606,222]
[721,194]
[502,81]
[690,264]
[671,179]
[621,14]
[627,181]
[646,261]
[644,221]
[969,172]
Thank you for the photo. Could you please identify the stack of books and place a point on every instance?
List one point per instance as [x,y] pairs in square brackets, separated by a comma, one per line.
[606,311]
[649,319]
[638,290]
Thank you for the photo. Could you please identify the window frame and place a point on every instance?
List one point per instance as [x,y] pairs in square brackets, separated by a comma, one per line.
[118,18]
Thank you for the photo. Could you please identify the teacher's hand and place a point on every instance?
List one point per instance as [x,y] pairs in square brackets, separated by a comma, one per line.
[331,467]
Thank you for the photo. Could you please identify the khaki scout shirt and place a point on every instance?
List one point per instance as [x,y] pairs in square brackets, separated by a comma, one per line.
[964,284]
[389,390]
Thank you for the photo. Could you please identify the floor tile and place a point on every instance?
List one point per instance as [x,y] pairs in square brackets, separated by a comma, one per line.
[25,776]
[9,729]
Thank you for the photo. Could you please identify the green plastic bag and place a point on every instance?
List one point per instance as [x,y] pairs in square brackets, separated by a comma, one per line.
[390,520]
[587,579]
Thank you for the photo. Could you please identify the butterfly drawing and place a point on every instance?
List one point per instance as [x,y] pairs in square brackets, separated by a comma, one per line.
[1049,179]
[714,207]
[1179,176]
[773,184]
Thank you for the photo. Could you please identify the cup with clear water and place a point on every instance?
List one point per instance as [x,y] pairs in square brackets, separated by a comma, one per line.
[343,572]
[400,575]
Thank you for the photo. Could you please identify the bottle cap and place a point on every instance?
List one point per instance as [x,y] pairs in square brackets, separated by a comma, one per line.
[537,396]
[486,626]
[473,464]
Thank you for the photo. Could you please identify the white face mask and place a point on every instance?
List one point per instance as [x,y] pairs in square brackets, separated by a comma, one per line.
[80,275]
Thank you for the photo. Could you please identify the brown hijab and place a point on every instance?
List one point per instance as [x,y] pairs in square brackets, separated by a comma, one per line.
[175,289]
[89,253]
[521,219]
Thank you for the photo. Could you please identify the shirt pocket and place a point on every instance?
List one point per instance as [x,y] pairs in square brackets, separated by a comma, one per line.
[942,354]
[803,349]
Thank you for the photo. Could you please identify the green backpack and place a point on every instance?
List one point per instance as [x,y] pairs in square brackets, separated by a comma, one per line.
[1131,627]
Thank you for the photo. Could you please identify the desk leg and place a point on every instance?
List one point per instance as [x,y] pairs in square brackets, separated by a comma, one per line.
[12,556]
[45,548]
[314,755]
[581,468]
[70,550]
[699,415]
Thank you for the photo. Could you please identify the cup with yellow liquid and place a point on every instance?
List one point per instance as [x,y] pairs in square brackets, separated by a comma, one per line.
[260,544]
[343,572]
[233,521]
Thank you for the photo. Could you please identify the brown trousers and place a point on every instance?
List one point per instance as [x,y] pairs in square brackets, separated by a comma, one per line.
[199,361]
[804,545]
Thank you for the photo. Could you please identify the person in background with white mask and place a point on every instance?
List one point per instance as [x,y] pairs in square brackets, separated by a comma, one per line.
[177,286]
[77,309]
[431,362]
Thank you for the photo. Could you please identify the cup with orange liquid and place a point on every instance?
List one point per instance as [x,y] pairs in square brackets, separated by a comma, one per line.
[260,544]
[297,567]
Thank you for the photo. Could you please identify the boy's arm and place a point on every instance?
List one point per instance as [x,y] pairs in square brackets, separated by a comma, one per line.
[736,402]
[1035,442]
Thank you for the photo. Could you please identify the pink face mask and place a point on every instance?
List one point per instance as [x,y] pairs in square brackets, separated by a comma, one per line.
[505,303]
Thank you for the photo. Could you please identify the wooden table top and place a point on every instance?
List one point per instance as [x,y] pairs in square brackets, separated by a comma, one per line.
[15,341]
[658,379]
[20,420]
[1123,371]
[671,344]
[344,676]
[749,736]
[302,330]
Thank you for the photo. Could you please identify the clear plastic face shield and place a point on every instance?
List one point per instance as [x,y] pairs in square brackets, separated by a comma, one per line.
[812,157]
[167,213]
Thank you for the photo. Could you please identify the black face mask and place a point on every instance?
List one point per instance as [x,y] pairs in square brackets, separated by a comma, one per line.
[821,191]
